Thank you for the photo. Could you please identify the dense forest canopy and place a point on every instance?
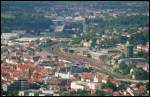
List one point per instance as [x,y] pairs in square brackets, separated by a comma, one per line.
[23,15]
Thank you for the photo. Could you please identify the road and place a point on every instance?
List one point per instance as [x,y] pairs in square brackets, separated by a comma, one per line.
[131,80]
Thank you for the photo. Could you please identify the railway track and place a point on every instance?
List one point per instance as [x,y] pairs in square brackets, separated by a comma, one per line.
[97,64]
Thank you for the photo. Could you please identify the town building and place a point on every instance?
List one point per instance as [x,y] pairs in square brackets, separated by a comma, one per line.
[18,84]
[129,49]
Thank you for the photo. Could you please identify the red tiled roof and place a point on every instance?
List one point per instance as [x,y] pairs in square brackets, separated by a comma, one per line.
[98,75]
[146,65]
[8,70]
[112,80]
[125,33]
[86,75]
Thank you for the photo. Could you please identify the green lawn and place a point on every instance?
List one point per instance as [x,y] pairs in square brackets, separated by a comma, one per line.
[7,16]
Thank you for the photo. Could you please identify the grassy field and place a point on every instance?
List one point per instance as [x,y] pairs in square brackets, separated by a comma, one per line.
[7,16]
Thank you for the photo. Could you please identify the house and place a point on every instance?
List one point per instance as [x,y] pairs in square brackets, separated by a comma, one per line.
[7,36]
[108,90]
[93,85]
[40,92]
[4,87]
[101,78]
[46,64]
[130,91]
[11,61]
[131,71]
[76,85]
[116,94]
[36,58]
[21,93]
[78,18]
[69,71]
[64,72]
[64,75]
[98,77]
[85,43]
[58,84]
[144,48]
[85,76]
[126,34]
[146,67]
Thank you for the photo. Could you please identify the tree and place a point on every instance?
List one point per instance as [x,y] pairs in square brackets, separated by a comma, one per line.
[3,50]
[82,93]
[124,68]
[110,76]
[15,93]
[49,42]
[93,42]
[65,93]
[76,41]
[109,85]
[141,74]
[88,55]
[108,94]
[147,86]
[99,93]
[30,49]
